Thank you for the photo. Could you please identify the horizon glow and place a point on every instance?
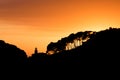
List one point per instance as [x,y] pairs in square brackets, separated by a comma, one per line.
[35,23]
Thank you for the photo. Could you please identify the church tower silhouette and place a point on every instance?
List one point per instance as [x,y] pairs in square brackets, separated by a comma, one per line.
[36,51]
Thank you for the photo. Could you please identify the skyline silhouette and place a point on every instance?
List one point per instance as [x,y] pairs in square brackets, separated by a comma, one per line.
[70,42]
[101,49]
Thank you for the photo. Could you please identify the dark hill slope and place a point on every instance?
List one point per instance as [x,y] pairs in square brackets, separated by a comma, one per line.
[10,54]
[103,48]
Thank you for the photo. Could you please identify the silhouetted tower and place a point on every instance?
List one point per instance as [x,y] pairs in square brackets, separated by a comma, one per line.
[36,51]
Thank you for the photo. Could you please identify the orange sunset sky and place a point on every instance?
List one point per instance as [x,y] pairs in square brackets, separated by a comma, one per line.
[35,23]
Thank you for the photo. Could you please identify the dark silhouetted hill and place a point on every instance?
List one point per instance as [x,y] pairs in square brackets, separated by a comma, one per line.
[101,49]
[11,55]
[88,49]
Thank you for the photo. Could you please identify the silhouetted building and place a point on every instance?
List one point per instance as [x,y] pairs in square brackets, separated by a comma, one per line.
[36,51]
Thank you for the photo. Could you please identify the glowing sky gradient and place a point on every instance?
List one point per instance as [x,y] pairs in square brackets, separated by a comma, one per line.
[35,23]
